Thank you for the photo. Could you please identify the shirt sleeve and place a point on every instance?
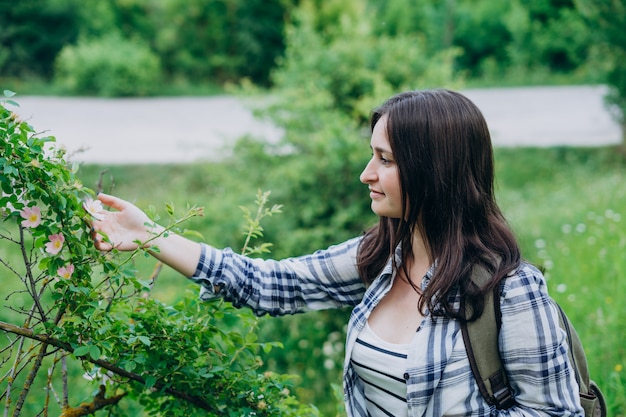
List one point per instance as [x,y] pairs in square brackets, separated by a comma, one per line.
[534,350]
[325,279]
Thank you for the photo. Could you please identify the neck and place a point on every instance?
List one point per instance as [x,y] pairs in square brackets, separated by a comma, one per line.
[420,256]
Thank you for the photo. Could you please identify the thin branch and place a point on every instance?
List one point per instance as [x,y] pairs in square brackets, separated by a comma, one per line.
[65,384]
[29,274]
[10,268]
[99,184]
[12,374]
[29,379]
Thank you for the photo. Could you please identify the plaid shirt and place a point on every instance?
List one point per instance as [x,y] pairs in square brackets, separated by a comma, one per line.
[438,375]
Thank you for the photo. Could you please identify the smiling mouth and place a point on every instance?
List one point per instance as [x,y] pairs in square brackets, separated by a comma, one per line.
[375,194]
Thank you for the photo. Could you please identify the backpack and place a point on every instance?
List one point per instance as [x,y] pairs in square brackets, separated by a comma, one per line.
[481,342]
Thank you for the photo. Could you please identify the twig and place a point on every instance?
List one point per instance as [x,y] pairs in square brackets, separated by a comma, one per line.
[99,185]
[29,379]
[12,375]
[65,402]
[29,274]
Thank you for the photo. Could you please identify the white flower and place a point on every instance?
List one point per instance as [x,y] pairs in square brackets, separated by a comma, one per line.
[94,208]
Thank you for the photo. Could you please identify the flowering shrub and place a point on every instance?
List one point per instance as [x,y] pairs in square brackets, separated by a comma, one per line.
[72,310]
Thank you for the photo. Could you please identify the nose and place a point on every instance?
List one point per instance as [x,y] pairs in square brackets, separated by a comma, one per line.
[368,175]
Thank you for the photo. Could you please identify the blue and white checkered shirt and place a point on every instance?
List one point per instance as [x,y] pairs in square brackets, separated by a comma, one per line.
[438,374]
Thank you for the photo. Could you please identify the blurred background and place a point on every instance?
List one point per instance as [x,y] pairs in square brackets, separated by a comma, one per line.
[311,71]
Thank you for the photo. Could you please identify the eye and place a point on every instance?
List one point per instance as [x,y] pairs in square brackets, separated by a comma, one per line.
[384,160]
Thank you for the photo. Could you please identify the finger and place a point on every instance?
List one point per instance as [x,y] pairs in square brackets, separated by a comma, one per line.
[113,202]
[100,241]
[103,246]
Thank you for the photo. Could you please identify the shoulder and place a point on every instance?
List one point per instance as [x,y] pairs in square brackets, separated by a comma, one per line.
[524,279]
[524,288]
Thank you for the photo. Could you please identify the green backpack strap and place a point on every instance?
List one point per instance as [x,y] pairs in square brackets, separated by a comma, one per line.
[481,342]
[591,397]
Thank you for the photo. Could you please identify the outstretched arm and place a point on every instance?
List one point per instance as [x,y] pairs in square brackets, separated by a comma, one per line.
[127,225]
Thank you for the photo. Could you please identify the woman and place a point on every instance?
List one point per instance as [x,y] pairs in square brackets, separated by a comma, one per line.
[430,180]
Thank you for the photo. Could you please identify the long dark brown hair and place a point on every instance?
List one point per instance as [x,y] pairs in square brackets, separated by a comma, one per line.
[442,148]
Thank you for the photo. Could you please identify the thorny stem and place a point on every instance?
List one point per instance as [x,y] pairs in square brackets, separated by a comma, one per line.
[29,274]
[30,378]
[65,384]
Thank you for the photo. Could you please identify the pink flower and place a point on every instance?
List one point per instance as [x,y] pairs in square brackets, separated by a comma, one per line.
[55,244]
[66,271]
[94,208]
[31,216]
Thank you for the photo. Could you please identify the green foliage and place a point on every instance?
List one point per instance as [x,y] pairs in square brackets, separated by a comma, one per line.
[354,66]
[222,41]
[198,40]
[108,66]
[33,32]
[205,41]
[69,306]
[253,228]
[482,35]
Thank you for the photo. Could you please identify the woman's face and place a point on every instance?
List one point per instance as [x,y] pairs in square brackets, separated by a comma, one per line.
[381,174]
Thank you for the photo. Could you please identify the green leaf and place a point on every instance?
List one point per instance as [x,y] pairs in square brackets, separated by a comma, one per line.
[143,339]
[130,365]
[9,93]
[81,351]
[150,381]
[94,352]
[193,233]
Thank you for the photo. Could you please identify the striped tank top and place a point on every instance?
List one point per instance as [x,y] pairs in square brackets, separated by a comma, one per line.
[381,365]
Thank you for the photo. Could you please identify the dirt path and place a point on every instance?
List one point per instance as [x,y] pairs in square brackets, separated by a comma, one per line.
[187,129]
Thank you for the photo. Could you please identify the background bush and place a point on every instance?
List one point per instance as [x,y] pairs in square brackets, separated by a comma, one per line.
[203,41]
[108,66]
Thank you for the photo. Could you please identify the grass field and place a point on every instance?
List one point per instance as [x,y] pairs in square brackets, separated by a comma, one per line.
[568,207]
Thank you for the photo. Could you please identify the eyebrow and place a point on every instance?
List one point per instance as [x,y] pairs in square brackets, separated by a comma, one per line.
[381,150]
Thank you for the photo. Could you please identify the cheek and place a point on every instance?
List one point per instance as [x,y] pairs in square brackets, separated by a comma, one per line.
[392,182]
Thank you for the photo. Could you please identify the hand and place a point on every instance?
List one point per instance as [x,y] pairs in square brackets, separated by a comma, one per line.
[123,227]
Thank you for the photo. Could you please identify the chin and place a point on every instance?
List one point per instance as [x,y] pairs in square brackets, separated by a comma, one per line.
[386,212]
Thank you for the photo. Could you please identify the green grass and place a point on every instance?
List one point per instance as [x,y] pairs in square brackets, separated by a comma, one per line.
[568,208]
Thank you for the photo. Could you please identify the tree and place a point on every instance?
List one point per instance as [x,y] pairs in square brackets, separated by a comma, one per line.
[32,34]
